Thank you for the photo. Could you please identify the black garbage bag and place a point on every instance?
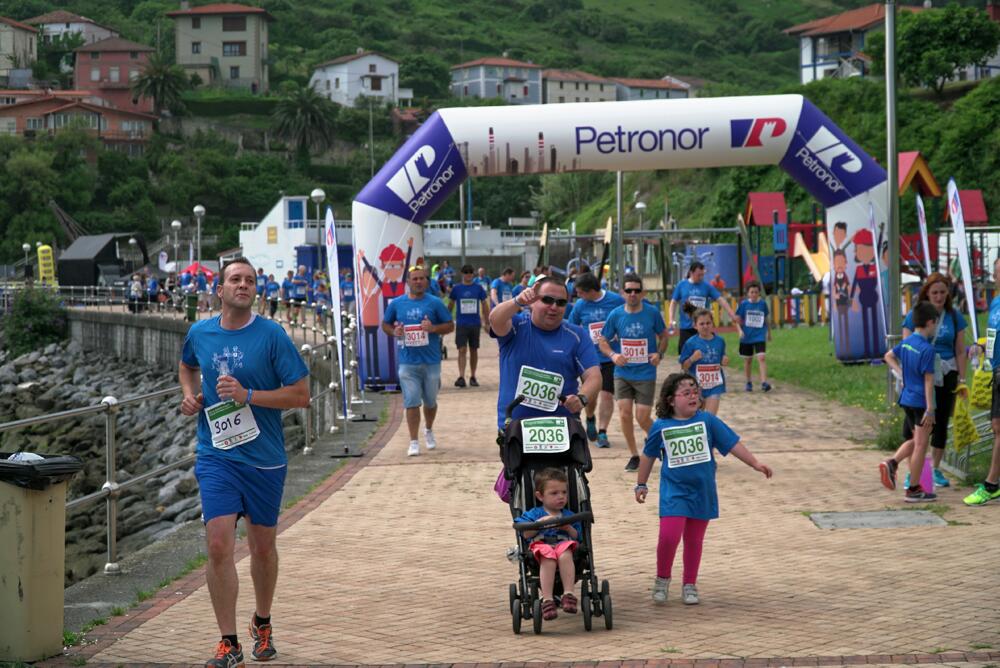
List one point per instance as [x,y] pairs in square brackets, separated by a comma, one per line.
[38,474]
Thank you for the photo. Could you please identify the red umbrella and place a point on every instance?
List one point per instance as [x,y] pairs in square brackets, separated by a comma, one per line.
[193,270]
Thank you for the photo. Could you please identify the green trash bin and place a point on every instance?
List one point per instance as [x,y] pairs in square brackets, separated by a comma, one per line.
[33,555]
[192,307]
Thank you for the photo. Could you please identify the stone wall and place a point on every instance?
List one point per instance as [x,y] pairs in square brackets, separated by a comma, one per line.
[154,340]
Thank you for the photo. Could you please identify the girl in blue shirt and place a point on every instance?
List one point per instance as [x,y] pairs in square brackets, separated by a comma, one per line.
[704,356]
[683,437]
[753,313]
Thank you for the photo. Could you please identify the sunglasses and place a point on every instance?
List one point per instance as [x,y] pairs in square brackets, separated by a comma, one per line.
[549,301]
[632,291]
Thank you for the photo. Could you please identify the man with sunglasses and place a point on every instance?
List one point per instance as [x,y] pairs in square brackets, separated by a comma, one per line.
[695,290]
[634,338]
[469,301]
[542,356]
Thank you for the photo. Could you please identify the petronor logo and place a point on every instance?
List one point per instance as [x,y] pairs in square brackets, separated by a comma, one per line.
[415,183]
[751,132]
[829,149]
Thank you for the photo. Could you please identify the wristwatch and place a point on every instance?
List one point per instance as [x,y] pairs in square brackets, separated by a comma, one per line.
[582,398]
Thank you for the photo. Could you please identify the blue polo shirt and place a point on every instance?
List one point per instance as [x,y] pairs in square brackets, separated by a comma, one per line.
[347,291]
[643,326]
[944,344]
[916,356]
[993,323]
[699,294]
[300,285]
[505,290]
[411,313]
[753,334]
[591,316]
[273,290]
[712,352]
[288,288]
[261,284]
[469,295]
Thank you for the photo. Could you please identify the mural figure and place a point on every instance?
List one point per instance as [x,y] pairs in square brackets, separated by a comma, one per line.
[865,288]
[392,281]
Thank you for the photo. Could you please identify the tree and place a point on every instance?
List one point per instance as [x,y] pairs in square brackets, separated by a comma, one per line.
[163,81]
[932,46]
[306,119]
[427,75]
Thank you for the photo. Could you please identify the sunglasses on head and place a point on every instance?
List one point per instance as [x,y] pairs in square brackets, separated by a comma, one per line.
[549,301]
[632,291]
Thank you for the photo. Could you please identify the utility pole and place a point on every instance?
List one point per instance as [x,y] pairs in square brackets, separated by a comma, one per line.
[892,191]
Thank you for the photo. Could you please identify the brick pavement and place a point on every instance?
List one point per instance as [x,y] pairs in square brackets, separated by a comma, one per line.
[403,563]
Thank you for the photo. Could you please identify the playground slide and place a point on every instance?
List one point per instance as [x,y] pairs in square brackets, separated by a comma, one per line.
[818,263]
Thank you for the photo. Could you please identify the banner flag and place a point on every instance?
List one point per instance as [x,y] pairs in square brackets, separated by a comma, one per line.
[333,268]
[922,220]
[962,248]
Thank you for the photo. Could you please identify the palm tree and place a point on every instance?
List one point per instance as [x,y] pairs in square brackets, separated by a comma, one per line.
[163,81]
[305,119]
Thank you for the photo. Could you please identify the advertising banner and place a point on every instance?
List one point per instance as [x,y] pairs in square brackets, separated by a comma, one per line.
[453,144]
[962,248]
[333,270]
[922,221]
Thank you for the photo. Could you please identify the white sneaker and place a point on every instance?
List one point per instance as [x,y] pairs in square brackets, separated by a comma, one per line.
[429,439]
[660,586]
[690,595]
[414,449]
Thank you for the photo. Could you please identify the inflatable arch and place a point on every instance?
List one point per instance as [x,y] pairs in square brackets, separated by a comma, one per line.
[454,144]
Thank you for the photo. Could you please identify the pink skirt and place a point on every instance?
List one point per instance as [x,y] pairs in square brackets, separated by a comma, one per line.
[543,550]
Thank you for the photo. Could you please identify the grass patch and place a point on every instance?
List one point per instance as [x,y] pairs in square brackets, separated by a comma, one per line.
[981,645]
[117,611]
[670,650]
[79,661]
[194,562]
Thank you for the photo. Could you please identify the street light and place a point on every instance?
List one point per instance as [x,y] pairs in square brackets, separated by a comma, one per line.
[176,227]
[27,249]
[199,213]
[640,207]
[317,196]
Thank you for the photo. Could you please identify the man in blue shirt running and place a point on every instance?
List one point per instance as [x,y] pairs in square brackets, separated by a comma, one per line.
[695,290]
[471,312]
[238,372]
[502,288]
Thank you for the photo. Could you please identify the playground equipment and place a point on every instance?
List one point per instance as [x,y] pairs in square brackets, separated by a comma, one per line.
[818,262]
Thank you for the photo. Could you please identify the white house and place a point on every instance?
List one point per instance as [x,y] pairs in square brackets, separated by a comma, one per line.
[55,24]
[575,86]
[18,47]
[649,89]
[363,74]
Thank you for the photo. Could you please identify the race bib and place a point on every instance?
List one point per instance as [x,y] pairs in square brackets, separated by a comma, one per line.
[697,301]
[231,424]
[540,388]
[544,435]
[349,293]
[685,446]
[414,336]
[635,351]
[709,376]
[468,306]
[991,337]
[506,296]
[595,331]
[754,319]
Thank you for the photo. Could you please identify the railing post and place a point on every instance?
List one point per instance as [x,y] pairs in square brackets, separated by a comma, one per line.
[308,410]
[110,455]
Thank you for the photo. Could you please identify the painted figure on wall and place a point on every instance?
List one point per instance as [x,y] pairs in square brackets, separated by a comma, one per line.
[865,289]
[395,267]
[842,298]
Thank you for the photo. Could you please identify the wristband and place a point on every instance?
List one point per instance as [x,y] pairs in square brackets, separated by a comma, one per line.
[640,486]
[249,394]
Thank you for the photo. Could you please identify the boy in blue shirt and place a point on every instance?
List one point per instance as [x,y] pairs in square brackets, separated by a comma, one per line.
[261,290]
[753,312]
[273,295]
[469,301]
[347,293]
[913,359]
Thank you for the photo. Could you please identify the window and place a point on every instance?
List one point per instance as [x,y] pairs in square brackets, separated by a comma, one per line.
[114,74]
[328,84]
[465,91]
[578,99]
[498,89]
[133,54]
[67,26]
[94,55]
[602,88]
[234,72]
[134,128]
[195,47]
[196,22]
[642,93]
[371,68]
[234,23]
[34,123]
[560,85]
[562,98]
[8,100]
[95,73]
[586,86]
[233,49]
[577,85]
[133,74]
[376,83]
[526,91]
[336,83]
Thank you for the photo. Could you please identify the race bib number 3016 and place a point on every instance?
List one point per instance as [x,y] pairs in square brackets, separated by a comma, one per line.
[686,445]
[540,388]
[544,435]
[231,424]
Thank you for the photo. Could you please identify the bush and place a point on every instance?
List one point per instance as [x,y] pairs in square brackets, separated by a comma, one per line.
[36,319]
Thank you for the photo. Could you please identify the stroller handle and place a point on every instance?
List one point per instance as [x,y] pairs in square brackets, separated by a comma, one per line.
[554,522]
[518,400]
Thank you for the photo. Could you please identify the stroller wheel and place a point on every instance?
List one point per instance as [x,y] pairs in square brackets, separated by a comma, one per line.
[536,615]
[512,594]
[606,604]
[586,610]
[515,614]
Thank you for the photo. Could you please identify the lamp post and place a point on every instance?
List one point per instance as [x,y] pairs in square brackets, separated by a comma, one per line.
[176,227]
[893,316]
[640,206]
[27,249]
[199,214]
[317,196]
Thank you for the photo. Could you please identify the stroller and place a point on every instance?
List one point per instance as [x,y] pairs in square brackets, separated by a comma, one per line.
[527,446]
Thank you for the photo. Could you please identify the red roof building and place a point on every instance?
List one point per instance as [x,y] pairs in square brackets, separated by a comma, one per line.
[648,89]
[515,81]
[109,68]
[576,86]
[55,24]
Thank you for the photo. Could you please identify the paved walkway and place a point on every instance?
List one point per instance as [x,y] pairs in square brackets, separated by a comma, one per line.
[400,560]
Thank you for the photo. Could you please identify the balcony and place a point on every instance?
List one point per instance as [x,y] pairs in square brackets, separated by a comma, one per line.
[108,84]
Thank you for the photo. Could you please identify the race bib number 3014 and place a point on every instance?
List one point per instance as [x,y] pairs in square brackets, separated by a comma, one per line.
[686,445]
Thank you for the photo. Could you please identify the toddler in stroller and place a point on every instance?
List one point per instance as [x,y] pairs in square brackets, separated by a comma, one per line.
[546,459]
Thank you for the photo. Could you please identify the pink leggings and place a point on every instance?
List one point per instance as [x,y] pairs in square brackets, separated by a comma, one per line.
[671,531]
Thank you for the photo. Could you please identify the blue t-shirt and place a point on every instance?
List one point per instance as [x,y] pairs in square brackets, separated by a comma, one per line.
[634,332]
[273,290]
[565,350]
[537,513]
[504,289]
[347,291]
[468,298]
[185,279]
[994,323]
[700,294]
[261,284]
[152,287]
[288,288]
[753,334]
[916,356]
[425,347]
[688,489]
[202,283]
[484,281]
[708,370]
[260,356]
[591,316]
[944,345]
[433,288]
[300,284]
[518,289]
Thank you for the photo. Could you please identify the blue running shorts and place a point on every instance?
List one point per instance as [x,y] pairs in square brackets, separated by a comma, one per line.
[235,488]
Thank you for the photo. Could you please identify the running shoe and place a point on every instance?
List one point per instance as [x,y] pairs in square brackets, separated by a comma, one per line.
[633,463]
[226,656]
[887,470]
[660,587]
[429,439]
[981,496]
[460,382]
[569,603]
[602,440]
[414,449]
[592,428]
[749,387]
[690,595]
[263,646]
[766,387]
[918,495]
[549,611]
[473,382]
[940,480]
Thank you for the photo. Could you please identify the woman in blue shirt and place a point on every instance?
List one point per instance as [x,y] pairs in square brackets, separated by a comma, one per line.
[949,344]
[704,356]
